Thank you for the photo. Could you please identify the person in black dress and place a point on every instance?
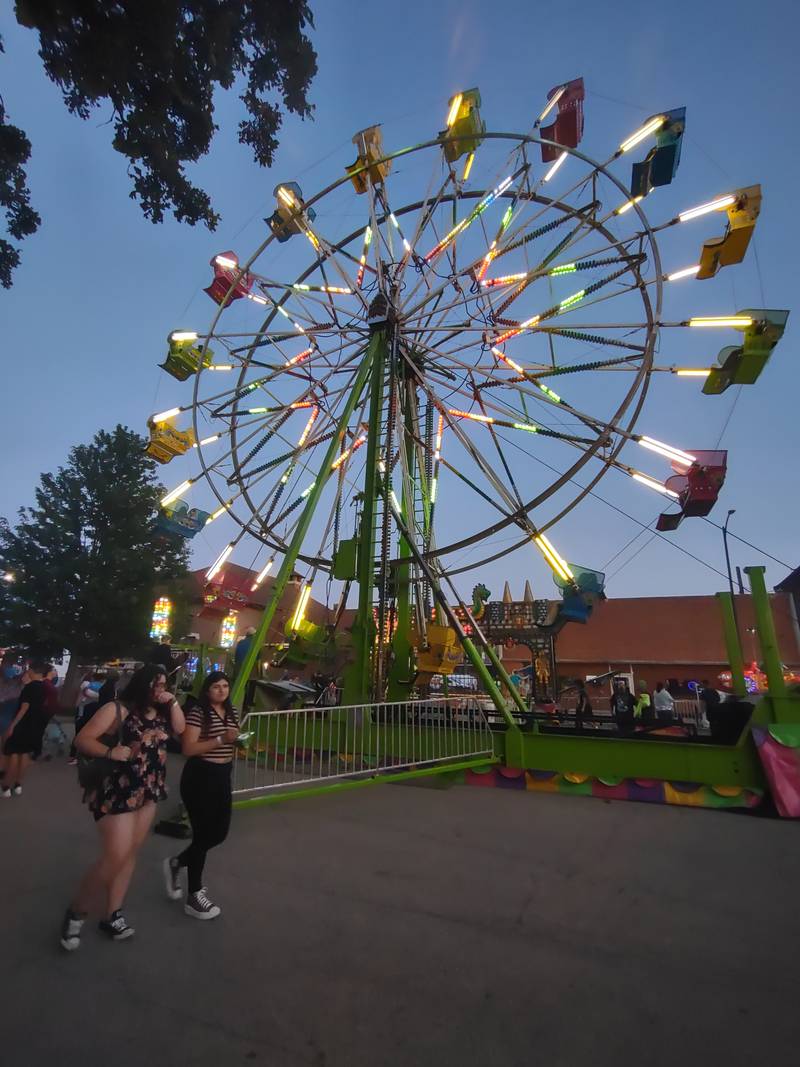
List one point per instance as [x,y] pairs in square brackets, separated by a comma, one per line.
[124,804]
[23,739]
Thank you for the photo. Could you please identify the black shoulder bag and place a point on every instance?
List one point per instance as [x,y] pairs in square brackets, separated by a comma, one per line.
[93,770]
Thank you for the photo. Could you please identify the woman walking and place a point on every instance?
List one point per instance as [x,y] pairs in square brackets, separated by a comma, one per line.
[132,732]
[23,739]
[212,727]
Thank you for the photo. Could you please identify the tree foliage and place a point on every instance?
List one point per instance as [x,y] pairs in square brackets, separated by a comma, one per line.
[158,64]
[87,558]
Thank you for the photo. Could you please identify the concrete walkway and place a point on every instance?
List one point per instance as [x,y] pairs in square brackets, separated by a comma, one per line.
[413,926]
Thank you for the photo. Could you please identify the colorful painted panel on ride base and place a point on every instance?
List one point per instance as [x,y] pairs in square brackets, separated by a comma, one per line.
[779,750]
[644,790]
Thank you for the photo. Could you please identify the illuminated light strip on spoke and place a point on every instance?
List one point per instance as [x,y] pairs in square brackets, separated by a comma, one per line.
[218,562]
[741,321]
[452,114]
[468,166]
[517,330]
[362,263]
[207,440]
[627,205]
[649,127]
[262,574]
[349,451]
[521,370]
[396,225]
[311,420]
[569,301]
[163,416]
[551,103]
[227,262]
[469,415]
[303,288]
[555,167]
[178,491]
[703,209]
[299,358]
[220,511]
[559,565]
[673,454]
[651,483]
[437,455]
[692,372]
[220,366]
[183,335]
[474,214]
[300,610]
[685,272]
[487,259]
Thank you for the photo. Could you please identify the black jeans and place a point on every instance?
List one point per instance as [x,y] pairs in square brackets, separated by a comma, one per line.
[206,792]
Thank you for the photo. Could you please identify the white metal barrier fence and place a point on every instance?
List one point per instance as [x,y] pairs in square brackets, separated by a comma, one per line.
[299,748]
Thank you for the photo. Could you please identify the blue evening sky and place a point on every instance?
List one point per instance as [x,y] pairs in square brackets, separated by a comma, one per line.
[100,287]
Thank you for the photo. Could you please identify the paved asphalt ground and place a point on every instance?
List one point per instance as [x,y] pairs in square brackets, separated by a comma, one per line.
[414,926]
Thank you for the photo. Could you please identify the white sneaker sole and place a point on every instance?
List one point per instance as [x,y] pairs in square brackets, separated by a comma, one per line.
[204,915]
[69,945]
[173,894]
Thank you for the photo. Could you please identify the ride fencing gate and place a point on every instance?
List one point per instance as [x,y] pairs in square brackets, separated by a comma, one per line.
[314,749]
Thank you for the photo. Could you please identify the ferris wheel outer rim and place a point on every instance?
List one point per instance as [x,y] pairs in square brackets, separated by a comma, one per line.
[644,371]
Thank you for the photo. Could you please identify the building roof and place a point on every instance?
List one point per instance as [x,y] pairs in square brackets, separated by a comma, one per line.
[790,584]
[235,585]
[670,630]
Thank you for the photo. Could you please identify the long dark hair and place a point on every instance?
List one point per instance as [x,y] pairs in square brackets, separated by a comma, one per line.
[137,696]
[205,700]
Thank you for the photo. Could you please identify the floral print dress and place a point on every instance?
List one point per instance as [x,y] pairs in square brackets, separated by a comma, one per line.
[143,777]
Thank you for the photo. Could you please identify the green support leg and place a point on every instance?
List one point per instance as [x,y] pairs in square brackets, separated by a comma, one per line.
[732,642]
[358,676]
[785,708]
[296,543]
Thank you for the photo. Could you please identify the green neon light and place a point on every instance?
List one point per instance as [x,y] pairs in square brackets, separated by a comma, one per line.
[570,300]
[526,426]
[549,392]
[565,268]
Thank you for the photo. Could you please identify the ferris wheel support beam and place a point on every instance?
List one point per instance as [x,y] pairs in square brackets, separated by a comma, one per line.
[357,679]
[295,545]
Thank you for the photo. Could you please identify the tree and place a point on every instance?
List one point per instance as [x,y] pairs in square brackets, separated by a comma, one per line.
[158,64]
[87,558]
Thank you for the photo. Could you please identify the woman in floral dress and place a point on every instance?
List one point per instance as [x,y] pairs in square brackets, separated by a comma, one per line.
[125,804]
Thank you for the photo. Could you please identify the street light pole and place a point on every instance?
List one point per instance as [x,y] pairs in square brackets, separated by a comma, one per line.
[730,573]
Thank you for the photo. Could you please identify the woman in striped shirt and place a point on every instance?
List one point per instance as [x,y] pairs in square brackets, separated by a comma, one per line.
[212,727]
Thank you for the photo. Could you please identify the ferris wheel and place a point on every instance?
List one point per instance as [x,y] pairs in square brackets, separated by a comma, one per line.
[405,379]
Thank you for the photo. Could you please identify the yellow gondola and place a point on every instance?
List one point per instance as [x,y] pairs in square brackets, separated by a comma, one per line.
[729,249]
[166,442]
[369,143]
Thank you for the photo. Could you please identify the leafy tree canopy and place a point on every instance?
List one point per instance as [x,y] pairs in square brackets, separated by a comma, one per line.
[87,558]
[158,63]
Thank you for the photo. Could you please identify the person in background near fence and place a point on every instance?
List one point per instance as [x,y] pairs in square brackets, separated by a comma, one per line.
[212,727]
[243,647]
[10,689]
[642,709]
[23,739]
[583,708]
[88,692]
[124,804]
[330,695]
[622,707]
[663,704]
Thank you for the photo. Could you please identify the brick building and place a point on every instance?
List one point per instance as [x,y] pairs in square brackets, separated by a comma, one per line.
[661,638]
